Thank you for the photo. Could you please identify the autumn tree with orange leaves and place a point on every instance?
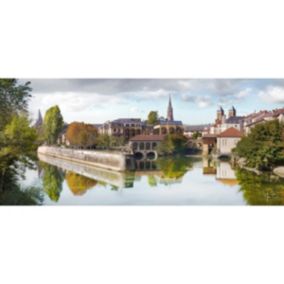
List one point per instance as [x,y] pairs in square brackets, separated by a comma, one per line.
[81,135]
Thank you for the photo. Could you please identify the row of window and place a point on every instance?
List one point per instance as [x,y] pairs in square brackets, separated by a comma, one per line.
[144,145]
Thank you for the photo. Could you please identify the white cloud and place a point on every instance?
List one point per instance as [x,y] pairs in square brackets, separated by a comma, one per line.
[243,93]
[272,94]
[203,102]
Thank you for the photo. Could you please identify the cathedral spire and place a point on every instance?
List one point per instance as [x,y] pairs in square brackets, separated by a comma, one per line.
[170,113]
[39,120]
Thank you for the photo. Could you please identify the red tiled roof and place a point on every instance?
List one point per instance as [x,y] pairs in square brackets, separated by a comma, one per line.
[231,132]
[147,138]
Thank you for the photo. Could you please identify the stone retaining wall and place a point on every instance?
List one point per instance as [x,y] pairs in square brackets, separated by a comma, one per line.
[108,160]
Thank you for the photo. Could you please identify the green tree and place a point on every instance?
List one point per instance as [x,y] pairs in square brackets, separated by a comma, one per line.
[196,135]
[263,148]
[17,143]
[173,143]
[14,99]
[107,141]
[53,124]
[153,117]
[174,167]
[264,189]
[52,181]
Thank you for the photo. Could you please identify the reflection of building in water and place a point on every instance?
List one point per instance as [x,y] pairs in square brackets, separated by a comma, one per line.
[226,174]
[209,166]
[165,173]
[148,165]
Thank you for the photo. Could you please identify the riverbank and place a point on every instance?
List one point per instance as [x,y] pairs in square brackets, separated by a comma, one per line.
[114,161]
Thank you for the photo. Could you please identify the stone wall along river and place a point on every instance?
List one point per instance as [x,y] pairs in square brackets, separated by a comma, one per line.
[107,160]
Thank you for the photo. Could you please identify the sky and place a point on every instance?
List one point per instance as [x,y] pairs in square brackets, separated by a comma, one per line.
[195,101]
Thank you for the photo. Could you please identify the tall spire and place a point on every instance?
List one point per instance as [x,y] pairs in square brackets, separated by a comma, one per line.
[39,120]
[170,114]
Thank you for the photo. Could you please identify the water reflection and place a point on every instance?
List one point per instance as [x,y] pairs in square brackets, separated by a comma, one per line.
[79,184]
[12,193]
[172,180]
[264,189]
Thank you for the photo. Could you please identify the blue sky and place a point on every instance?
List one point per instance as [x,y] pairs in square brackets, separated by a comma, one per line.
[195,101]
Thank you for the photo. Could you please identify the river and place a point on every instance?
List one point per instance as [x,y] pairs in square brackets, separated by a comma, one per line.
[168,181]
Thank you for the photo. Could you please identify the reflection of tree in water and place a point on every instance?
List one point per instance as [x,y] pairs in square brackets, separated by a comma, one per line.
[152,181]
[174,167]
[79,184]
[12,194]
[52,181]
[263,189]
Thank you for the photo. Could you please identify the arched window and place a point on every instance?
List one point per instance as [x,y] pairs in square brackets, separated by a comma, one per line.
[135,145]
[141,145]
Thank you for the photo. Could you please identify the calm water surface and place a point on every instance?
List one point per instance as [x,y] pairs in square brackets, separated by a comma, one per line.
[174,181]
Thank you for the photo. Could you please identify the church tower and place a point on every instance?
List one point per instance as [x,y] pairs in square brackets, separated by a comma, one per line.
[170,113]
[39,120]
[232,112]
[220,114]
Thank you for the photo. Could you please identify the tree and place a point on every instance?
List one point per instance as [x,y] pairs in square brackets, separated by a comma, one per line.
[263,148]
[17,142]
[52,181]
[81,134]
[173,143]
[174,168]
[152,117]
[53,123]
[14,99]
[107,141]
[264,189]
[16,137]
[196,135]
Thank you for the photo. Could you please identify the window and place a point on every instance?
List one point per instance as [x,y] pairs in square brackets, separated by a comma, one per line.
[148,146]
[141,145]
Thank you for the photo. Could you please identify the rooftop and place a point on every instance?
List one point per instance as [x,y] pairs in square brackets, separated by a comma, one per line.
[235,119]
[231,133]
[127,120]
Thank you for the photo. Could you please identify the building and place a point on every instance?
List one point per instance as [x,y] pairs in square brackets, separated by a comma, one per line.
[170,112]
[39,122]
[209,142]
[145,146]
[189,130]
[168,125]
[262,116]
[227,141]
[62,139]
[223,123]
[122,127]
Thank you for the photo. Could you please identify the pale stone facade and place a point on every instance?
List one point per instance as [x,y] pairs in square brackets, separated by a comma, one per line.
[227,141]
